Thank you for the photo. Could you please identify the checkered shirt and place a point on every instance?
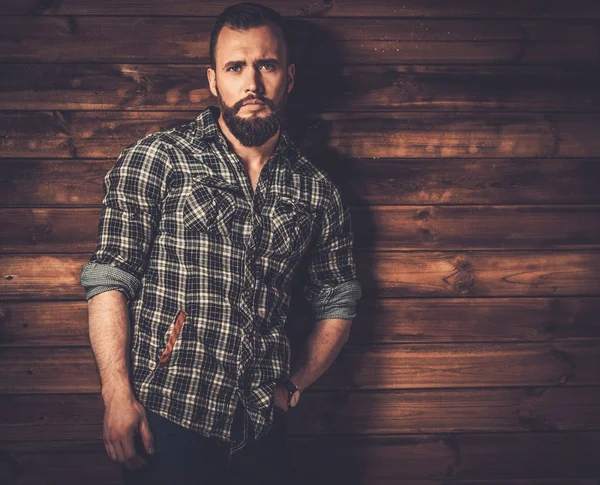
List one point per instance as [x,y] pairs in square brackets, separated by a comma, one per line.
[209,264]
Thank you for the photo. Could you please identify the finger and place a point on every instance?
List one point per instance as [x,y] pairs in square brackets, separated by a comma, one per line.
[110,450]
[131,457]
[135,462]
[128,445]
[119,455]
[147,436]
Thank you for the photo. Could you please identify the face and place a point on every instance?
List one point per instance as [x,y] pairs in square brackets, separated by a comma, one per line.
[251,81]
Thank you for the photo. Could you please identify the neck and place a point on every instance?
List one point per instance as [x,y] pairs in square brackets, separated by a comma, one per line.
[253,155]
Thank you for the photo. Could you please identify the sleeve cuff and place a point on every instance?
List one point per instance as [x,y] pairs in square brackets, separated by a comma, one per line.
[98,277]
[338,302]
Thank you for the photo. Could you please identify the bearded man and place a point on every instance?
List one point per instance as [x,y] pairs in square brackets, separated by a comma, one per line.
[188,291]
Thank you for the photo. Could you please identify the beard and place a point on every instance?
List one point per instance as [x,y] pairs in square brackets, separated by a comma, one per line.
[253,131]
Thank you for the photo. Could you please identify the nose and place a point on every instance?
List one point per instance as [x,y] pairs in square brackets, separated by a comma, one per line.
[254,82]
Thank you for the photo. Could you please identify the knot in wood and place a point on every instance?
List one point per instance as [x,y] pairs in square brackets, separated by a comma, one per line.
[423,215]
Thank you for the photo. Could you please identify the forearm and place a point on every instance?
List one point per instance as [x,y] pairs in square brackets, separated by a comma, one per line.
[109,337]
[322,347]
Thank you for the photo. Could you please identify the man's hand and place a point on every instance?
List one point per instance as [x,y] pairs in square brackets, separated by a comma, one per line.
[281,396]
[125,419]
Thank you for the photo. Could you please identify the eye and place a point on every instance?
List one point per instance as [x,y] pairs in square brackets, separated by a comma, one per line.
[234,68]
[268,66]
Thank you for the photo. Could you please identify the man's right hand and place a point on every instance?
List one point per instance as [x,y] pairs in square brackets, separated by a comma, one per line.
[124,419]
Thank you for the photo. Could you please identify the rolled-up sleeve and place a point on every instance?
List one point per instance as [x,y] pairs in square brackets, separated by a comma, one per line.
[333,290]
[135,187]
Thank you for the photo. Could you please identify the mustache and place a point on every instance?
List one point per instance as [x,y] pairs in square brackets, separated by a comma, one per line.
[237,106]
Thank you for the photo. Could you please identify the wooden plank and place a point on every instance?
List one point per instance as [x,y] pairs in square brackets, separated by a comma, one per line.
[31,417]
[389,459]
[355,88]
[468,459]
[51,324]
[47,277]
[37,182]
[41,133]
[309,8]
[48,370]
[382,274]
[463,365]
[381,228]
[51,417]
[448,181]
[393,228]
[316,480]
[475,319]
[330,42]
[58,463]
[428,135]
[360,135]
[72,369]
[485,273]
[450,410]
[49,230]
[379,321]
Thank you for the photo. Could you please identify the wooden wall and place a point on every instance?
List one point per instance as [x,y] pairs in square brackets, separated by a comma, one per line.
[465,137]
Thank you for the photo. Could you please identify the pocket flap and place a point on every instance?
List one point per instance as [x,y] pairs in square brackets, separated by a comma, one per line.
[298,205]
[210,205]
[216,181]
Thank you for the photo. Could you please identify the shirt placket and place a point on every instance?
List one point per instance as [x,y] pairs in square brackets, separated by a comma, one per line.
[255,199]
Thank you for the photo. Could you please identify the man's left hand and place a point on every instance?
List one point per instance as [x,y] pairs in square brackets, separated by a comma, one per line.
[281,397]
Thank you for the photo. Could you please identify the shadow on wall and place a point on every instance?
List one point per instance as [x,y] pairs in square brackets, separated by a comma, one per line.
[320,84]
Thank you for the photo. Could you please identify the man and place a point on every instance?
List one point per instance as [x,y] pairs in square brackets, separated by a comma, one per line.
[202,229]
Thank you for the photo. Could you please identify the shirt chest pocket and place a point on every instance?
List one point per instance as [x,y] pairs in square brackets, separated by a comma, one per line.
[210,206]
[290,226]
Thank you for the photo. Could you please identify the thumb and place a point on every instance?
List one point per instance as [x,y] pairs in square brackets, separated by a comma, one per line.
[147,436]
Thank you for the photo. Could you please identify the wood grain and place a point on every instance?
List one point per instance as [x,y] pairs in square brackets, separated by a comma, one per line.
[52,323]
[350,88]
[311,8]
[475,319]
[467,459]
[484,273]
[379,321]
[318,41]
[386,459]
[58,463]
[382,274]
[39,182]
[463,136]
[48,417]
[362,135]
[381,228]
[411,366]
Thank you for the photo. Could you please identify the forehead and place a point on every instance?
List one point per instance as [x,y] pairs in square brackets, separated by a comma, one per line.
[259,42]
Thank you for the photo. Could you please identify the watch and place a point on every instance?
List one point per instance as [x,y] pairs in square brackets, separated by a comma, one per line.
[294,392]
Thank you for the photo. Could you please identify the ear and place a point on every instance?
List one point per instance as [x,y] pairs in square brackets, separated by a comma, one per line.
[212,81]
[291,75]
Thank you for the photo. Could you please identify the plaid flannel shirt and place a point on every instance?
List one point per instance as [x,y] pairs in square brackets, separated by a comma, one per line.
[207,264]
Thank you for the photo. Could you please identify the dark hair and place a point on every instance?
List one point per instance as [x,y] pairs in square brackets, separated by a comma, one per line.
[244,16]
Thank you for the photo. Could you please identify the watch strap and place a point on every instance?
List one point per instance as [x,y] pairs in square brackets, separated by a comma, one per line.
[291,387]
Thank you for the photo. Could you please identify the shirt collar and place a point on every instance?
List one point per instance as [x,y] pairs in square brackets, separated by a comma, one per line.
[208,128]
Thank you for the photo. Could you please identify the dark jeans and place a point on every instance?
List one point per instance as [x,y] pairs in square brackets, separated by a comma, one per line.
[184,457]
